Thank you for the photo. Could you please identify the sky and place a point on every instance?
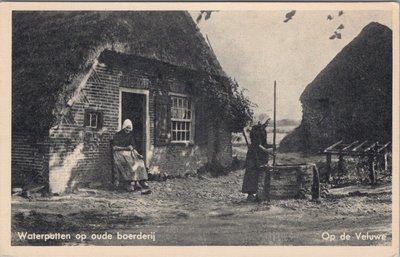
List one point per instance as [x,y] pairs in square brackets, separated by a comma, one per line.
[257,47]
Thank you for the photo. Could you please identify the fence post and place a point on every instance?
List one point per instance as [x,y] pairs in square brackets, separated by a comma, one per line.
[316,184]
[385,161]
[340,164]
[328,167]
[372,173]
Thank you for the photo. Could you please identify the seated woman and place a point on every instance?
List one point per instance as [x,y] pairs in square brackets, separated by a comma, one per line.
[129,164]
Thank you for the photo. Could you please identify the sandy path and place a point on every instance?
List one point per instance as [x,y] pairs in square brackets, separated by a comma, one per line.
[205,211]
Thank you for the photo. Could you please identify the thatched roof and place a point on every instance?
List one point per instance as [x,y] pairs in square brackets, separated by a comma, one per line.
[351,98]
[363,65]
[52,50]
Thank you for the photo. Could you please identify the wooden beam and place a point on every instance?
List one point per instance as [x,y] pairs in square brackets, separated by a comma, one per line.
[358,146]
[369,147]
[332,146]
[350,145]
[384,146]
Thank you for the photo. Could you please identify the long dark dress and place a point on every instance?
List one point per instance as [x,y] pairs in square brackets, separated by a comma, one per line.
[129,167]
[255,158]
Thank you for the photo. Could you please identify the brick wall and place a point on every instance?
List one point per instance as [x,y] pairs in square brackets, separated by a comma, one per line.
[178,159]
[28,158]
[80,156]
[219,141]
[224,155]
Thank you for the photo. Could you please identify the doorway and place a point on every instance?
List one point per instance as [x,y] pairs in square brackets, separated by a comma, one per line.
[134,106]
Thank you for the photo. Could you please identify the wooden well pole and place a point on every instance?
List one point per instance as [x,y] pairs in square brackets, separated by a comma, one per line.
[274,138]
[268,176]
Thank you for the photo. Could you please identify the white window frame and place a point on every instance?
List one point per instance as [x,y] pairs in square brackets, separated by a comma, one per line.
[91,114]
[191,121]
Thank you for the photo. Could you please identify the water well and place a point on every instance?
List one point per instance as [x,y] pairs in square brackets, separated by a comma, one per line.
[289,181]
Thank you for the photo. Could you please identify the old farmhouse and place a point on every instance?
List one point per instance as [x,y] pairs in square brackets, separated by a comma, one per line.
[78,75]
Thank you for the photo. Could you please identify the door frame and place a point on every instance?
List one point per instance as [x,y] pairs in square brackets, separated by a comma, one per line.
[146,125]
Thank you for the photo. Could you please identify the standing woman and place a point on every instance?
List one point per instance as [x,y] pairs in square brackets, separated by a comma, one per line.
[257,156]
[129,164]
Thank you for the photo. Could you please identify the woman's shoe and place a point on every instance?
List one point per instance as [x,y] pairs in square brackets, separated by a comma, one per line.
[251,198]
[130,188]
[144,184]
[137,188]
[146,192]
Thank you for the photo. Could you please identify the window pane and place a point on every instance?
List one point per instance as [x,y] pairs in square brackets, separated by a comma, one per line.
[93,120]
[181,113]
